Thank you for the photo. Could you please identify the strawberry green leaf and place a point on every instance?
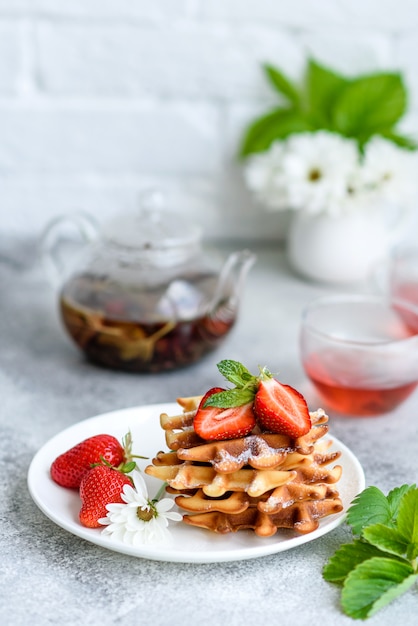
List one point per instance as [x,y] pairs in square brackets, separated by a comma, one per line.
[386,538]
[395,498]
[408,521]
[375,583]
[235,372]
[282,84]
[230,398]
[369,507]
[128,467]
[346,558]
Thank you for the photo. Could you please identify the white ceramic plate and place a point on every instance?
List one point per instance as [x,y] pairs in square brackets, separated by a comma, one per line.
[189,544]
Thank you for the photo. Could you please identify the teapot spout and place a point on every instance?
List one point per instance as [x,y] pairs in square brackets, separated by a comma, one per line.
[231,281]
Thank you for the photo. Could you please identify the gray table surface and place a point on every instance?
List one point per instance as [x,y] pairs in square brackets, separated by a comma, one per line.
[49,576]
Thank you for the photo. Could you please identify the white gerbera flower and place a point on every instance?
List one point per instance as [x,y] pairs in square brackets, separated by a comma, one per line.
[140,520]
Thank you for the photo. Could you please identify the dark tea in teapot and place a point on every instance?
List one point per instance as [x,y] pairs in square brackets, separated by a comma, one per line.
[137,332]
[143,295]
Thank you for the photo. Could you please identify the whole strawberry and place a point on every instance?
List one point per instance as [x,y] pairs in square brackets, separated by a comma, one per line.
[69,468]
[100,486]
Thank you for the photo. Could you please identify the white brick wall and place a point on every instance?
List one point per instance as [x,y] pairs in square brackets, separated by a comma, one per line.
[101,98]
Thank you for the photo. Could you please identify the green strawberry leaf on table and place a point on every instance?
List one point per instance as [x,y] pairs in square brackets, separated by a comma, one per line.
[346,558]
[374,584]
[382,563]
[386,538]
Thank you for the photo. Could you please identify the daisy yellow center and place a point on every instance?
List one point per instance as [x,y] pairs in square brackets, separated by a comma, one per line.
[314,174]
[146,515]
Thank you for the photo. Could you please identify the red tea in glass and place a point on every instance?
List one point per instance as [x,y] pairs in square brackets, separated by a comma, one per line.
[354,399]
[360,353]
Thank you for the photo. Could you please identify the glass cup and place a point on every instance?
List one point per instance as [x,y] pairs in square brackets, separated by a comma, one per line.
[403,279]
[360,352]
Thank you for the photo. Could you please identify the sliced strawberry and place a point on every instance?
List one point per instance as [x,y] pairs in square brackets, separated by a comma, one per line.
[214,423]
[281,409]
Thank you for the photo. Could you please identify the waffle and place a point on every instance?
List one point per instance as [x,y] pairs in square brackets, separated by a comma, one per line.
[188,476]
[302,517]
[263,481]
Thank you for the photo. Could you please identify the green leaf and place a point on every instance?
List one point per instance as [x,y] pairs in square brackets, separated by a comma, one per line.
[323,87]
[400,140]
[282,84]
[369,105]
[373,584]
[235,372]
[277,124]
[128,467]
[386,538]
[230,398]
[408,521]
[369,507]
[395,497]
[346,558]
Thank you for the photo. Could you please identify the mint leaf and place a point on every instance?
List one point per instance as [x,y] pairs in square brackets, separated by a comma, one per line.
[386,538]
[369,507]
[235,372]
[369,105]
[373,584]
[277,124]
[282,84]
[230,398]
[323,87]
[346,558]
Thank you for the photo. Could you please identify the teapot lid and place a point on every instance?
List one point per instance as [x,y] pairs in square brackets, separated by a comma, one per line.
[152,227]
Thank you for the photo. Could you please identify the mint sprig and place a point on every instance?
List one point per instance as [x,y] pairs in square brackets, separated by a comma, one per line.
[246,385]
[381,563]
[357,107]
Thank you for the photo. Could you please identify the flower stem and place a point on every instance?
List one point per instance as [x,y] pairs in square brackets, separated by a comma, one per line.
[159,493]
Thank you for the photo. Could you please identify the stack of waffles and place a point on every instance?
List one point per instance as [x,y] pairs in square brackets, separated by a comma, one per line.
[262,481]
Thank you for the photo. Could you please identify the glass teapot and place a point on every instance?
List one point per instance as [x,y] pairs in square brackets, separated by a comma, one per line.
[140,294]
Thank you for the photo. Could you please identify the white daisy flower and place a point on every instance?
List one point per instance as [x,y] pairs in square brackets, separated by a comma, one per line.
[263,174]
[140,520]
[318,168]
[390,173]
[323,172]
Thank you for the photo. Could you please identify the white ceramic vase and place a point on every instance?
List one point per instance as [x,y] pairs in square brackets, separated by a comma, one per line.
[343,249]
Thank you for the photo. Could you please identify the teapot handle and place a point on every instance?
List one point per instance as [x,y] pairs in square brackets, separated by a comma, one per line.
[63,238]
